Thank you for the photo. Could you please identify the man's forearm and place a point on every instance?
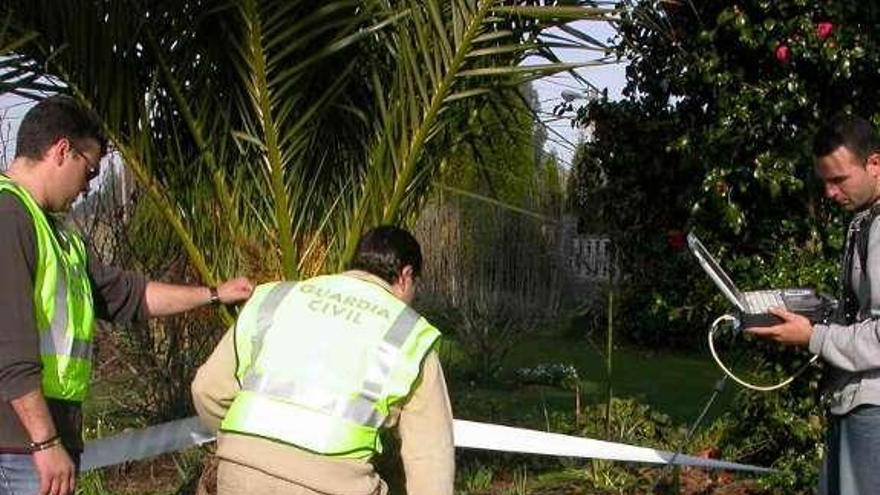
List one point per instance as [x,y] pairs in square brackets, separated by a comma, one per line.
[33,412]
[168,299]
[425,427]
[56,472]
[854,348]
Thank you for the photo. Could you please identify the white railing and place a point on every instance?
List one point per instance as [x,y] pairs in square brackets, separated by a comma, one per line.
[591,259]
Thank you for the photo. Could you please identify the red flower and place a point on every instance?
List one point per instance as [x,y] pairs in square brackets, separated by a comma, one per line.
[783,53]
[824,30]
[709,453]
[676,240]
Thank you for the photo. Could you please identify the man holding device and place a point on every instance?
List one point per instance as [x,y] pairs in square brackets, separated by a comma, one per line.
[847,160]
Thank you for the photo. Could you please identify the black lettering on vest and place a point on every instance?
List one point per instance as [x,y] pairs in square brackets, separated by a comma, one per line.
[339,305]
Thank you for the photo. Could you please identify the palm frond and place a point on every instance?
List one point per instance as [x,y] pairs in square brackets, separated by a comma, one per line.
[271,133]
[446,56]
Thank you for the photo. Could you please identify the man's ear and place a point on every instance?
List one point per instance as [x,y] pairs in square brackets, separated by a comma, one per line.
[404,284]
[59,149]
[407,275]
[872,164]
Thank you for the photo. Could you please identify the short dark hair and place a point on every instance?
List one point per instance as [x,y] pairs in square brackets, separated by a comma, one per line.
[53,118]
[385,250]
[852,131]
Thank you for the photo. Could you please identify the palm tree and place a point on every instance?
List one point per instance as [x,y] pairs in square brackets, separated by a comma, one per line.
[272,132]
[268,134]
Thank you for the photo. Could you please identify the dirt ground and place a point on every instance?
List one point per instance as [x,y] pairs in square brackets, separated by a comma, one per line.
[161,475]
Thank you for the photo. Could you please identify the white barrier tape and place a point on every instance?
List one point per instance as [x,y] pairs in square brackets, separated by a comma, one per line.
[469,434]
[147,442]
[189,432]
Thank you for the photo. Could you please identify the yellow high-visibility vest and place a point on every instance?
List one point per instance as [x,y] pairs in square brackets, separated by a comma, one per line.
[322,361]
[63,307]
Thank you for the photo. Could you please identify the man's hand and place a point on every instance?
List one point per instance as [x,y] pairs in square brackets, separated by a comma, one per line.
[55,470]
[794,330]
[235,290]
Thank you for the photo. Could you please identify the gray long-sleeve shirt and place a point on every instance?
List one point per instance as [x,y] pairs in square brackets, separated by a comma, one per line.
[117,295]
[853,351]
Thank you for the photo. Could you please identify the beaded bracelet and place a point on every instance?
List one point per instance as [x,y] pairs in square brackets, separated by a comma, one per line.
[45,444]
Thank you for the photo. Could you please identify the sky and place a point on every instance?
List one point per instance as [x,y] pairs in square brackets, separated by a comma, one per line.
[12,109]
[561,139]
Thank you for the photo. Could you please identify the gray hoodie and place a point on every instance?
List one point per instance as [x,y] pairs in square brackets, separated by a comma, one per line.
[853,351]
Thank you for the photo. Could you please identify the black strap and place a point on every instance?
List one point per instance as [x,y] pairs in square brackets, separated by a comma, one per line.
[861,237]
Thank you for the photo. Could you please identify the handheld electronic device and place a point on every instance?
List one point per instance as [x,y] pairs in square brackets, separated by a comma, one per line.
[753,306]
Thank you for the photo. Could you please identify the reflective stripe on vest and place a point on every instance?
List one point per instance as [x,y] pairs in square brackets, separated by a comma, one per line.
[58,341]
[362,408]
[308,413]
[62,304]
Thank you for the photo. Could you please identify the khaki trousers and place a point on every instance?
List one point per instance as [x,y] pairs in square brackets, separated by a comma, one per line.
[236,479]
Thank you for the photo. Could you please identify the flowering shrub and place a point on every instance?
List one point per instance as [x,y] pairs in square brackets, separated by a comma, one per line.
[723,99]
[548,374]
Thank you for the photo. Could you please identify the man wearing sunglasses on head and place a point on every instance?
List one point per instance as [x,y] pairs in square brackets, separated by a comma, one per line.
[52,290]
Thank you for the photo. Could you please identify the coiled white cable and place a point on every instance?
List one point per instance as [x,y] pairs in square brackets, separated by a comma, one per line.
[759,388]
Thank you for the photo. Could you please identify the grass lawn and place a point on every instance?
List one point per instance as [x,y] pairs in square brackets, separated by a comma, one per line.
[673,384]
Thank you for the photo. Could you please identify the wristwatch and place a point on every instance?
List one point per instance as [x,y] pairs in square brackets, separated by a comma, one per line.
[215,296]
